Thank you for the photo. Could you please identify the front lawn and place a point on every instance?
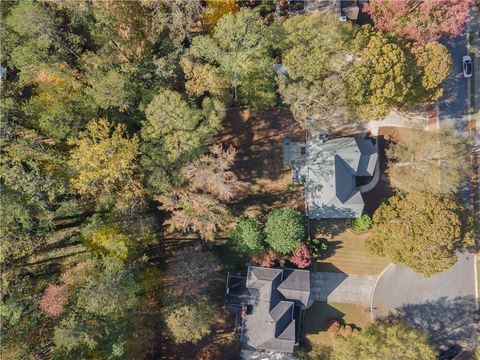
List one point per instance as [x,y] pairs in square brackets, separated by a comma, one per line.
[346,250]
[315,337]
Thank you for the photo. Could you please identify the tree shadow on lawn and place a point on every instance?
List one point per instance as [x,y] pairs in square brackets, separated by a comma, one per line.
[328,227]
[446,321]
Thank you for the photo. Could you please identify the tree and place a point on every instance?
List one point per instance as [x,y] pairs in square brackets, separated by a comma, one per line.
[211,173]
[197,206]
[248,235]
[428,161]
[421,21]
[315,50]
[381,80]
[190,322]
[381,341]
[266,258]
[301,257]
[215,9]
[111,291]
[54,299]
[284,230]
[174,134]
[104,160]
[421,230]
[196,212]
[433,62]
[240,49]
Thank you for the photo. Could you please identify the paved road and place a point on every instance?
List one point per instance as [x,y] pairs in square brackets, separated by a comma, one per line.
[443,305]
[342,288]
[453,105]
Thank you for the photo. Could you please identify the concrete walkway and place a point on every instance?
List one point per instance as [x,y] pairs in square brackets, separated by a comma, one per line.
[342,288]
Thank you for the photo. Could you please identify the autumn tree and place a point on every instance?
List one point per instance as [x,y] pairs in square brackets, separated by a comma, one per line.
[190,322]
[174,133]
[199,205]
[385,341]
[391,75]
[248,235]
[215,9]
[421,230]
[211,173]
[285,230]
[428,161]
[54,299]
[420,21]
[195,212]
[239,51]
[104,161]
[301,257]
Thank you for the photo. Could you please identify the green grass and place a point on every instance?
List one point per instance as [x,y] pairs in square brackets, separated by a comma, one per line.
[316,318]
[347,251]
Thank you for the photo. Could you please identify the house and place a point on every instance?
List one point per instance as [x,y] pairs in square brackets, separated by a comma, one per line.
[268,303]
[333,172]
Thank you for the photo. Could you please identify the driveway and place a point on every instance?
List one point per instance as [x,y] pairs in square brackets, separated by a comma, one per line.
[342,288]
[443,305]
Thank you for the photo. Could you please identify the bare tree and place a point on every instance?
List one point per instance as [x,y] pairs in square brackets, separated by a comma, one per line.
[210,173]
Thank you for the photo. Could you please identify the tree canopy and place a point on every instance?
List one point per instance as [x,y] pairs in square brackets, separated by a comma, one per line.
[381,341]
[248,235]
[421,230]
[285,230]
[428,161]
[239,52]
[421,21]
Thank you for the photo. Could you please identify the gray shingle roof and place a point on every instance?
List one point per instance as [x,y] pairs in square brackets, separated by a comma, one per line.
[271,325]
[330,171]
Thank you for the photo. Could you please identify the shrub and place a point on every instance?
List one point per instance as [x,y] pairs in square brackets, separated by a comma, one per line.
[302,257]
[285,230]
[361,224]
[248,235]
[266,259]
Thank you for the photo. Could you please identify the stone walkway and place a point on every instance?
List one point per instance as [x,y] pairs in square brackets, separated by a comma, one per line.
[342,288]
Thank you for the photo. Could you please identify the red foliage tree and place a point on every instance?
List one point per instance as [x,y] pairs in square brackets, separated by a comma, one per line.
[301,257]
[420,20]
[54,299]
[266,259]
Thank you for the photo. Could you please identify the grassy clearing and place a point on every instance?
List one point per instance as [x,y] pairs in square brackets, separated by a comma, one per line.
[347,250]
[316,319]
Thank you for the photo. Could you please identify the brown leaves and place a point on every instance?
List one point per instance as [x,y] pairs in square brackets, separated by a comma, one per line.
[198,206]
[210,173]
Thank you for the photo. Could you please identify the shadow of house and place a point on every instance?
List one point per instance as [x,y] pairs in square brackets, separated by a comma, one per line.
[268,304]
[447,322]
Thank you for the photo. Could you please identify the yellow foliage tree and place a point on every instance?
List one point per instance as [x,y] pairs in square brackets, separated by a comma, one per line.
[215,9]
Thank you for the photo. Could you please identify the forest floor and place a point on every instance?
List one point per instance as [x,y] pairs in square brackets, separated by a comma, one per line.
[258,138]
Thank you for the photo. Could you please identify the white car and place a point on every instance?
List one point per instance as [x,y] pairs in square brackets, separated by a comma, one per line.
[467,66]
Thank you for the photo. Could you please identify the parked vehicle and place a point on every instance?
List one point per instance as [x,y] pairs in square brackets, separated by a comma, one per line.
[467,66]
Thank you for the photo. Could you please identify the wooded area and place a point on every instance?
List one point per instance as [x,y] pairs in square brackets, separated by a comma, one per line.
[108,114]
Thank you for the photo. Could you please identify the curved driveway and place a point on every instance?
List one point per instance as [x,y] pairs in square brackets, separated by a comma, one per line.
[442,305]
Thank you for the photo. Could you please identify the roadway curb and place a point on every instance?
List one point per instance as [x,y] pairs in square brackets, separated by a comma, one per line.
[388,267]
